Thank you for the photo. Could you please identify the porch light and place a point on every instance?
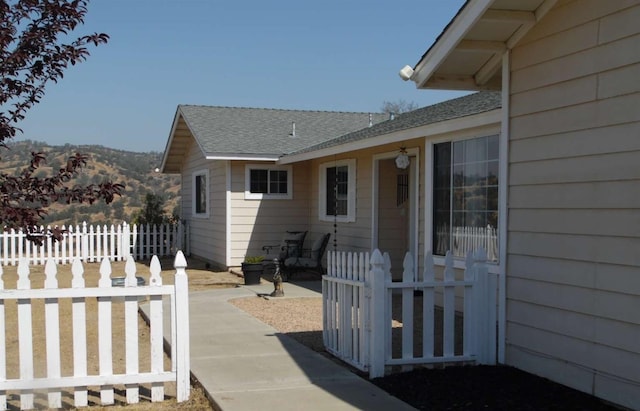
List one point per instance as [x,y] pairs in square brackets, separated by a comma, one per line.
[402,161]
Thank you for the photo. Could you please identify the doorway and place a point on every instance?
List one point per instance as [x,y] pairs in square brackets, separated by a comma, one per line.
[395,223]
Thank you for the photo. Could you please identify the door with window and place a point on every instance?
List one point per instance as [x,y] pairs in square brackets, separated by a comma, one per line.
[395,211]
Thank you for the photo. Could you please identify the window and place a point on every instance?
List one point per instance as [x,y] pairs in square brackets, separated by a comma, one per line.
[338,191]
[465,196]
[201,194]
[267,181]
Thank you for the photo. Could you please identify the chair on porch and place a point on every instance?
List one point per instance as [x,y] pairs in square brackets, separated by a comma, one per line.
[309,260]
[291,246]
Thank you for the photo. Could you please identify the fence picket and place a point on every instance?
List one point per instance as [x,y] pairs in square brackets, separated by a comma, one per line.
[407,310]
[3,346]
[24,333]
[156,330]
[428,308]
[131,331]
[79,314]
[104,333]
[52,327]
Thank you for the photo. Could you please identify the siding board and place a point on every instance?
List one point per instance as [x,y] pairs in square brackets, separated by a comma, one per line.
[605,194]
[601,113]
[600,249]
[584,63]
[606,222]
[577,143]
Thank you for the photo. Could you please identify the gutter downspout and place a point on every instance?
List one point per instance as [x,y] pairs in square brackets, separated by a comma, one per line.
[502,201]
[228,216]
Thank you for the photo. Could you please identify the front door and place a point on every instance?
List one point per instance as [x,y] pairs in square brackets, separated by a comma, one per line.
[395,223]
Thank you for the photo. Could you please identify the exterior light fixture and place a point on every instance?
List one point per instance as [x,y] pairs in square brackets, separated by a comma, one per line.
[402,160]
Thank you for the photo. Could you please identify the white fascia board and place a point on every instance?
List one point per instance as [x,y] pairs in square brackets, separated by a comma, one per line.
[460,26]
[242,157]
[448,126]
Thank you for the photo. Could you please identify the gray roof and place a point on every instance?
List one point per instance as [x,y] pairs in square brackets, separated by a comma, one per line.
[455,108]
[260,131]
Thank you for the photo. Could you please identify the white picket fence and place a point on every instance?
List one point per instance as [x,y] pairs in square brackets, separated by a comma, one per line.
[107,296]
[358,321]
[465,239]
[93,243]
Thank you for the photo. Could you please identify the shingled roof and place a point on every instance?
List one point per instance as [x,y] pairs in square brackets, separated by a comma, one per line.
[256,133]
[448,110]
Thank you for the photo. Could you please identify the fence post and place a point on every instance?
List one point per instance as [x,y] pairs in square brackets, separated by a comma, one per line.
[182,328]
[126,241]
[486,309]
[376,308]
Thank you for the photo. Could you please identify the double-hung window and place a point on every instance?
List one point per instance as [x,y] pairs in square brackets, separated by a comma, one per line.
[337,200]
[268,181]
[200,198]
[465,196]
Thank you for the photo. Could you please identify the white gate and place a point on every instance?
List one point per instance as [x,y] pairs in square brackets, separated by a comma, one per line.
[443,320]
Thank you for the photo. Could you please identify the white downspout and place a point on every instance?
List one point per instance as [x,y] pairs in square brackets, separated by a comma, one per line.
[228,217]
[503,206]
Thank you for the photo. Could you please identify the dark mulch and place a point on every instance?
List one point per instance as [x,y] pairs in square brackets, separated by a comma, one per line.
[484,388]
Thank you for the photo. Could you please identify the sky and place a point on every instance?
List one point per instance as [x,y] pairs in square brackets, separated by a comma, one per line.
[329,55]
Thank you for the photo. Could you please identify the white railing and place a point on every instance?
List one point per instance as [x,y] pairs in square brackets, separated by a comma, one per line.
[107,296]
[93,243]
[462,240]
[358,320]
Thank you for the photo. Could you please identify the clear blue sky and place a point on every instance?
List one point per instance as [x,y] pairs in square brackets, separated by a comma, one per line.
[337,55]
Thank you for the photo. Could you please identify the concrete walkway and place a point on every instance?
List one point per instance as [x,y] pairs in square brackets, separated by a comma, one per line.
[245,365]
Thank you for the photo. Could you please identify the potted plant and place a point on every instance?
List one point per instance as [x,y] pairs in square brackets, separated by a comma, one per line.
[252,269]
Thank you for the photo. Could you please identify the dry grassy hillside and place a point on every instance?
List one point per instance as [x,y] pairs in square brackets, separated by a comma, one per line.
[135,170]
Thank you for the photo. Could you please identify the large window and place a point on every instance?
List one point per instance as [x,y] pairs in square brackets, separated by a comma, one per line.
[201,194]
[268,181]
[465,197]
[338,191]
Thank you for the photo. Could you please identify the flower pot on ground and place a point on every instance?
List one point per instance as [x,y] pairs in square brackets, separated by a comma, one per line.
[252,270]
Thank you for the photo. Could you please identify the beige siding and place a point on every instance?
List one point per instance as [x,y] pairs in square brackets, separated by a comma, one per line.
[208,236]
[573,269]
[356,236]
[255,223]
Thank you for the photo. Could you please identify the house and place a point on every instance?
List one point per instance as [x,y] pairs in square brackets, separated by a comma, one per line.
[569,74]
[234,195]
[543,158]
[224,155]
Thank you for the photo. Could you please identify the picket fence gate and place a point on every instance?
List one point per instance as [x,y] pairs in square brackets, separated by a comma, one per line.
[91,243]
[107,295]
[357,296]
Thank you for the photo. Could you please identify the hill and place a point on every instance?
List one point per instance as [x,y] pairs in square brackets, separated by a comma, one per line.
[135,170]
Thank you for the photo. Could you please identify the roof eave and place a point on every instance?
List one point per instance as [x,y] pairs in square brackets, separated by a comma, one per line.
[487,118]
[429,74]
[451,37]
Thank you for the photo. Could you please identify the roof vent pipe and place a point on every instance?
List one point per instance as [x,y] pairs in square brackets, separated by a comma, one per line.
[370,119]
[293,130]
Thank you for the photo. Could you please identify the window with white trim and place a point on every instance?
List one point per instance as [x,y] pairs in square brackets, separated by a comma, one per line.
[200,196]
[268,182]
[465,196]
[337,200]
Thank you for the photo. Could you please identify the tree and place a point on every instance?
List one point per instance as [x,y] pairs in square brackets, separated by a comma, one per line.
[33,53]
[152,211]
[398,106]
